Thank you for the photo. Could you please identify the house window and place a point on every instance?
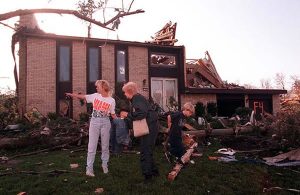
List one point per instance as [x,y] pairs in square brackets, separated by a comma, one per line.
[64,78]
[163,90]
[93,64]
[64,63]
[161,59]
[121,69]
[93,67]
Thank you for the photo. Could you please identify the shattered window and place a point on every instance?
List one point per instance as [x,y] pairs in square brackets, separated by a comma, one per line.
[121,69]
[163,59]
[121,61]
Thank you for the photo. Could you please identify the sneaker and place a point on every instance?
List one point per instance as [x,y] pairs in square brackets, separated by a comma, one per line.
[105,169]
[90,173]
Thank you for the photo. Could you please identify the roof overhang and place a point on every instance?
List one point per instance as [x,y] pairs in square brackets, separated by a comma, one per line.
[234,91]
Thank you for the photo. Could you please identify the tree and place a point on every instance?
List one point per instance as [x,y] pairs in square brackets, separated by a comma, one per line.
[249,86]
[87,9]
[280,80]
[296,85]
[85,13]
[266,84]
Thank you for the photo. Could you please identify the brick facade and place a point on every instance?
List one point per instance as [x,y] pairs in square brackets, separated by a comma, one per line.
[41,75]
[78,75]
[138,67]
[108,64]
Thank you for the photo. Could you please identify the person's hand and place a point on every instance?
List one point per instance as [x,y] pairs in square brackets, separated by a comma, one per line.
[69,95]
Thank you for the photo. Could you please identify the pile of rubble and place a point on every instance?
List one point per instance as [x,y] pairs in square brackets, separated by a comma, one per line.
[202,73]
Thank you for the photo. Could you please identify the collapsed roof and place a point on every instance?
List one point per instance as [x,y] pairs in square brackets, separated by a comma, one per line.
[166,36]
[202,73]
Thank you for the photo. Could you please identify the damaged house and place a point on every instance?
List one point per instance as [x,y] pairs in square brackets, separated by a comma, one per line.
[51,65]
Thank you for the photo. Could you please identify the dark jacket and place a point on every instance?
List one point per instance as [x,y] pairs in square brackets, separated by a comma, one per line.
[141,108]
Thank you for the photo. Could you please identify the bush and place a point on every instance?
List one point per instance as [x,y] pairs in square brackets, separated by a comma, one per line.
[84,117]
[8,110]
[52,116]
[287,127]
[216,124]
[243,112]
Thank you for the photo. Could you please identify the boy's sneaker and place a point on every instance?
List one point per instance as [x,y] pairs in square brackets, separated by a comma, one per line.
[90,173]
[105,169]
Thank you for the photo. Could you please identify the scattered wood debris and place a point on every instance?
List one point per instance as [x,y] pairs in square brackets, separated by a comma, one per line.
[166,36]
[202,73]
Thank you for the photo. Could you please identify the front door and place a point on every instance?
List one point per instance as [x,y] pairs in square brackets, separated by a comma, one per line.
[164,92]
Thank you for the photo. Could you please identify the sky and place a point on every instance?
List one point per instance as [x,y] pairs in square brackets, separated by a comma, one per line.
[248,40]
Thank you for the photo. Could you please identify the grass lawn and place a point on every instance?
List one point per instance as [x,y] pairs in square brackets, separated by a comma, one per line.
[203,177]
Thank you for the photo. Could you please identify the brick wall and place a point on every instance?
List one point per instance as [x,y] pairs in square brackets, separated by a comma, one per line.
[29,21]
[194,98]
[22,76]
[79,75]
[41,75]
[108,64]
[138,67]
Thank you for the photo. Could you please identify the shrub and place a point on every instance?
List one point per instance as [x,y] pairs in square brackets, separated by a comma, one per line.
[243,112]
[287,127]
[8,110]
[173,104]
[52,116]
[84,117]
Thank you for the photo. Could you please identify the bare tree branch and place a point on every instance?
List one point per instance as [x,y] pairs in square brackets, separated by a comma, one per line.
[122,14]
[7,25]
[130,5]
[22,12]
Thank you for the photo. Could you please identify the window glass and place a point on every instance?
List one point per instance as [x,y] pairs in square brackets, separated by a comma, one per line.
[157,91]
[170,87]
[93,64]
[64,63]
[162,90]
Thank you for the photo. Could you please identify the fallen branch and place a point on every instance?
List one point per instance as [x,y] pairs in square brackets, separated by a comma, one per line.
[44,150]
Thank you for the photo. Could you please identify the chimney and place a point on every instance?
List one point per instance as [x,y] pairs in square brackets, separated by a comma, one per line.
[28,21]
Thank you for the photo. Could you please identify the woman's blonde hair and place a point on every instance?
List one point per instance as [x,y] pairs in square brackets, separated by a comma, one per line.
[189,106]
[130,87]
[104,84]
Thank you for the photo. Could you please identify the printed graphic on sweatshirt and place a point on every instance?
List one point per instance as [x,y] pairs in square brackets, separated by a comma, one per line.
[100,108]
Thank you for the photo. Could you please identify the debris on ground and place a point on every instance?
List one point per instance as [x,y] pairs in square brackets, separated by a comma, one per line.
[99,190]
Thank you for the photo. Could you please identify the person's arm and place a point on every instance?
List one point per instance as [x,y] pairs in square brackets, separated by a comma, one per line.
[112,109]
[74,95]
[113,116]
[169,123]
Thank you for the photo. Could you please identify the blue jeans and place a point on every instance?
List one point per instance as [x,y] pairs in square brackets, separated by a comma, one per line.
[119,135]
[99,127]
